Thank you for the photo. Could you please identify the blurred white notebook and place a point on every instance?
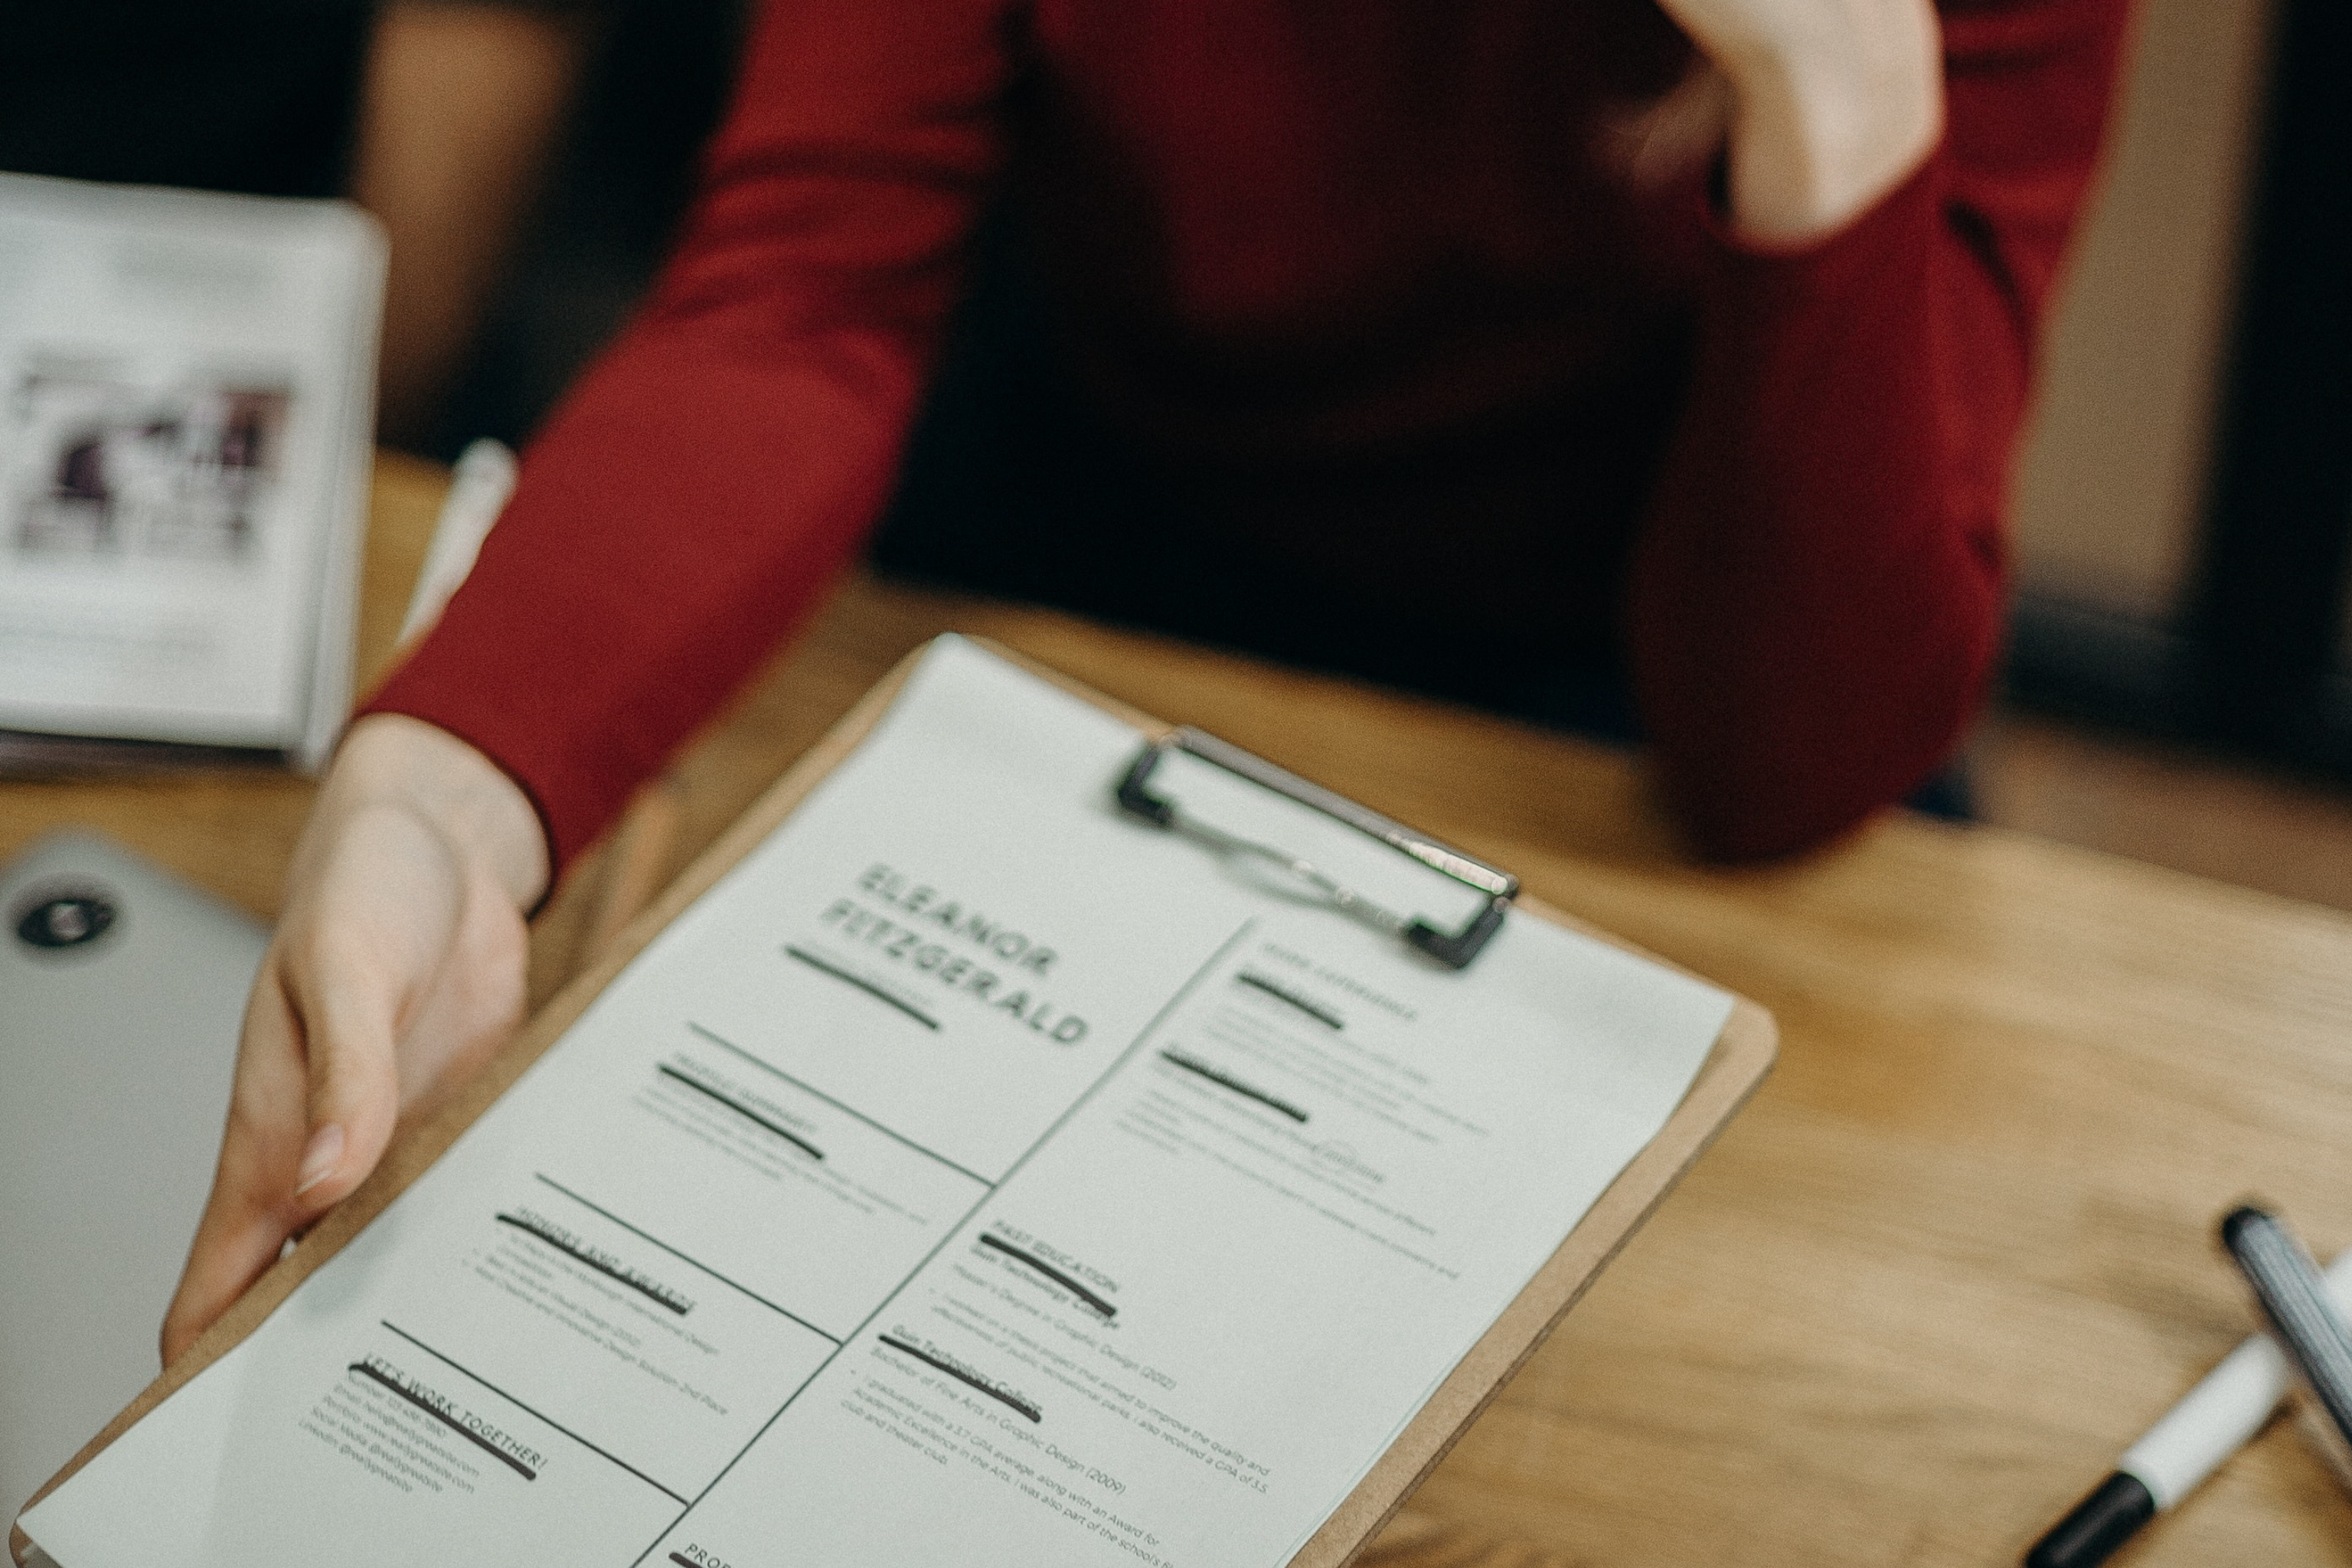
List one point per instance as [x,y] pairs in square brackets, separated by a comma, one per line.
[186,394]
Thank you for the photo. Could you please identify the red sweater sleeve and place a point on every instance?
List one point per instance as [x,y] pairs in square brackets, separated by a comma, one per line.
[1814,604]
[695,491]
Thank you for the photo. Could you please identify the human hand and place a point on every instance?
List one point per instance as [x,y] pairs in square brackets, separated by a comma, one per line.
[1835,102]
[396,971]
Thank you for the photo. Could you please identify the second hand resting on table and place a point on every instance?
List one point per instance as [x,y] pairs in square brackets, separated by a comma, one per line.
[397,969]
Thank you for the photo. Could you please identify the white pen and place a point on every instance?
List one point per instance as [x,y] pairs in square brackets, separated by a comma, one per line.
[2219,1416]
[479,491]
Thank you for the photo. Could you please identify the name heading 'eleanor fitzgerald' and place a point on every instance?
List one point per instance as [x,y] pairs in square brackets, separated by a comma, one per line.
[924,928]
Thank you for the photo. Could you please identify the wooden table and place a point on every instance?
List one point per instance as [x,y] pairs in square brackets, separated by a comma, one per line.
[1952,1259]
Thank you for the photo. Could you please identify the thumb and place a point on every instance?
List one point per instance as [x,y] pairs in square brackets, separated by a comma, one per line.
[307,1118]
[354,1087]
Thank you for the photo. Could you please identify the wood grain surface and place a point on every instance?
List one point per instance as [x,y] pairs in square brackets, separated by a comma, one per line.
[1950,1260]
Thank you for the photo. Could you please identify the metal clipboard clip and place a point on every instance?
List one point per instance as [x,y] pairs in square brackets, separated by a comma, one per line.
[1452,949]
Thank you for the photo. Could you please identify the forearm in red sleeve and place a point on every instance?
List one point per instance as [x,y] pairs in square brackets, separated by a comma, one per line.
[1815,601]
[693,494]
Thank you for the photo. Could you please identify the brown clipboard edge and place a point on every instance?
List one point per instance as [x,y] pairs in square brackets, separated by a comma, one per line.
[1736,1063]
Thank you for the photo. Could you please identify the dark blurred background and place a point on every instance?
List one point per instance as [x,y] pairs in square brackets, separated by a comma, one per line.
[655,81]
[2184,496]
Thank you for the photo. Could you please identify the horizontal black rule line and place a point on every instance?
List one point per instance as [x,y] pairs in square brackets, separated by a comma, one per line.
[745,1111]
[824,966]
[472,1376]
[1050,1272]
[1031,1411]
[690,1261]
[772,1070]
[598,1264]
[1247,1091]
[684,1561]
[1324,1017]
[476,1439]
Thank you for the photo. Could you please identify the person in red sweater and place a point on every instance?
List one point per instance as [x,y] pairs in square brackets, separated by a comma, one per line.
[1692,336]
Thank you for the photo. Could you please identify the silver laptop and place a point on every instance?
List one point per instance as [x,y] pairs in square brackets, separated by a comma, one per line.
[120,993]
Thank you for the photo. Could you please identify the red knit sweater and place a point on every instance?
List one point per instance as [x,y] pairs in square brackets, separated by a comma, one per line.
[1298,233]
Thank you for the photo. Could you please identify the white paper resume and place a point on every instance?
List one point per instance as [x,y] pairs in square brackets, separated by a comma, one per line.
[972,1175]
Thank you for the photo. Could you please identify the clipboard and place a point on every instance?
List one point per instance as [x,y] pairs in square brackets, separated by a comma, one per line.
[1742,1056]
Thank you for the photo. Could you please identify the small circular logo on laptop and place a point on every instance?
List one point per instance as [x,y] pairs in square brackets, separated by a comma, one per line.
[62,917]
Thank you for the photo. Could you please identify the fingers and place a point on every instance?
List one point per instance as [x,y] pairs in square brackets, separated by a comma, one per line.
[247,1217]
[315,1100]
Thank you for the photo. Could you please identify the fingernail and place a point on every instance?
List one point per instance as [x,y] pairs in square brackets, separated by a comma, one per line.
[320,1159]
